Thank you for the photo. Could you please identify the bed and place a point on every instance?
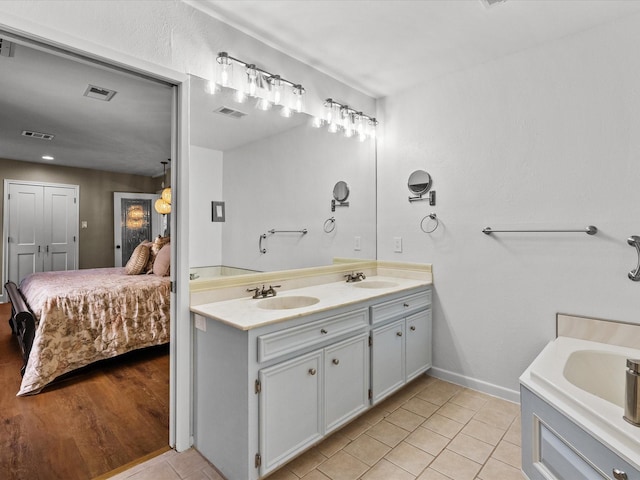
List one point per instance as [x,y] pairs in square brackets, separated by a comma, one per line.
[68,320]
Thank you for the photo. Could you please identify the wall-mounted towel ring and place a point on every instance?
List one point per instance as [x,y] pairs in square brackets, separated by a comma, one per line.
[634,241]
[329,225]
[431,223]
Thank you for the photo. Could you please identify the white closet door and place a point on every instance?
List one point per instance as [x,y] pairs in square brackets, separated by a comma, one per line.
[60,224]
[25,242]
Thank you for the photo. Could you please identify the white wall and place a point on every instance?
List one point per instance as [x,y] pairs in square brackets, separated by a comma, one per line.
[285,182]
[205,186]
[548,137]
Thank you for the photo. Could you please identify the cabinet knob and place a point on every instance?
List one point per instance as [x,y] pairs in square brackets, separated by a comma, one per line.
[619,474]
[412,328]
[335,361]
[399,334]
[312,371]
[405,304]
[323,331]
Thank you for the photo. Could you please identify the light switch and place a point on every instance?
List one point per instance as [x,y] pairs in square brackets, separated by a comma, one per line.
[357,244]
[83,224]
[397,244]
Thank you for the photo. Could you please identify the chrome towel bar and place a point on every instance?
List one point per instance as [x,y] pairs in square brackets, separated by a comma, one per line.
[272,231]
[590,230]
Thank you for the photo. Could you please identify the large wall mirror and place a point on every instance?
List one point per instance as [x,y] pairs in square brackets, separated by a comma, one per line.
[273,173]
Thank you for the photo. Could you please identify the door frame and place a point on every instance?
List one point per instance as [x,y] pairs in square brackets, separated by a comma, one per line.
[5,221]
[181,330]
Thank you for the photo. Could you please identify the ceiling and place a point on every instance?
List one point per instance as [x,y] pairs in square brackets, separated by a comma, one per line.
[377,46]
[43,92]
[384,46]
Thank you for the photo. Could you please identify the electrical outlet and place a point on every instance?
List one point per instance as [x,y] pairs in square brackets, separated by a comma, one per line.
[397,244]
[201,323]
[357,244]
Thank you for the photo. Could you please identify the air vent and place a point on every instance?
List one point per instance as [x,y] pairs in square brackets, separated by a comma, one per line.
[40,135]
[7,48]
[99,93]
[230,112]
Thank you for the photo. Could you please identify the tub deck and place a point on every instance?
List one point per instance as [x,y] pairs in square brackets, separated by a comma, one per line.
[585,381]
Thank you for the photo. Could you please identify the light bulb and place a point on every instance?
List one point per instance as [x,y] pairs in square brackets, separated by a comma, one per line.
[263,104]
[225,69]
[371,127]
[328,106]
[347,123]
[276,89]
[252,80]
[298,94]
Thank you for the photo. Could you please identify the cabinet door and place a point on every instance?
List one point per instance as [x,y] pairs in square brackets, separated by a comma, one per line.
[346,379]
[418,343]
[387,359]
[289,409]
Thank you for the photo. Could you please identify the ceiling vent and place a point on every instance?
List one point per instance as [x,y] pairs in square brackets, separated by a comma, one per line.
[99,93]
[230,112]
[40,135]
[7,48]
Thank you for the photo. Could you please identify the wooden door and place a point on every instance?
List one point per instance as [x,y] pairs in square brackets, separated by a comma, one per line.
[60,223]
[25,233]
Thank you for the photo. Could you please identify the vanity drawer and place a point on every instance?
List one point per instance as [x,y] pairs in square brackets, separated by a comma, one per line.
[400,306]
[273,345]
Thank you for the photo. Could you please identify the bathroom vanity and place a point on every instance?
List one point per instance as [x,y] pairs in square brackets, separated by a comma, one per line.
[275,376]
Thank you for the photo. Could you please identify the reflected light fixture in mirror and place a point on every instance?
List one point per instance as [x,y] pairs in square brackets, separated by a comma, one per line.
[347,120]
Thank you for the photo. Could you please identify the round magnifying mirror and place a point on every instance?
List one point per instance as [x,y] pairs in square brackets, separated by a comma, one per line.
[419,182]
[341,191]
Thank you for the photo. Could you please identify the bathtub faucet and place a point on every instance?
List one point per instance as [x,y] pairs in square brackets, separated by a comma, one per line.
[632,398]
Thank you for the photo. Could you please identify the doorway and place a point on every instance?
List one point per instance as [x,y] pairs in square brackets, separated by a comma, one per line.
[177,131]
[134,220]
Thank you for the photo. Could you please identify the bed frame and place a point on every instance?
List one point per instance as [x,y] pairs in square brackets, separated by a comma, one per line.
[22,322]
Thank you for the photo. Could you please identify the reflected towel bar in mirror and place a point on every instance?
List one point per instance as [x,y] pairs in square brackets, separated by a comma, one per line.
[272,231]
[590,230]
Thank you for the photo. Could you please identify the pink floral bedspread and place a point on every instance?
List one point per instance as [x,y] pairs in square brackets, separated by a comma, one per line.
[88,315]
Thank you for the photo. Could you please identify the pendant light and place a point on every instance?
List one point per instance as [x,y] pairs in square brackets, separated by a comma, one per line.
[163,204]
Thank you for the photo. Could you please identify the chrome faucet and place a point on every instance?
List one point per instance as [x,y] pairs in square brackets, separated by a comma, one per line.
[264,292]
[632,392]
[355,277]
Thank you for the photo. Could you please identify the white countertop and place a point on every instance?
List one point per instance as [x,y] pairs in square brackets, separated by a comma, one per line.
[245,314]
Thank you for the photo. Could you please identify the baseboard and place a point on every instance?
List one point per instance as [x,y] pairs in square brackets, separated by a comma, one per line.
[475,384]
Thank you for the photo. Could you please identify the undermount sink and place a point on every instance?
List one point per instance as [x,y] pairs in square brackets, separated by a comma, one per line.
[375,284]
[287,303]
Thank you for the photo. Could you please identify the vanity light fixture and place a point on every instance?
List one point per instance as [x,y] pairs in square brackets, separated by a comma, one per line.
[269,88]
[343,118]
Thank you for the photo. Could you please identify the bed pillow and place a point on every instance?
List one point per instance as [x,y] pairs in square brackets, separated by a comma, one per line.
[162,263]
[158,243]
[138,260]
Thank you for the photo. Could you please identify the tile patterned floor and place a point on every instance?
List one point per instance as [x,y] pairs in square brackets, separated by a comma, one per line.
[429,430]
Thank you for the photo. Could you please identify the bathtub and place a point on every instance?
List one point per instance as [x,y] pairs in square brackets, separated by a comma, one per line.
[585,381]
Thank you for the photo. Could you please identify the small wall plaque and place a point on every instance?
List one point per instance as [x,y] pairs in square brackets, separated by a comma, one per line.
[217,211]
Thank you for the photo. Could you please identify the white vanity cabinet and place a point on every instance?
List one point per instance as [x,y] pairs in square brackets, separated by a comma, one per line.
[267,393]
[401,348]
[305,398]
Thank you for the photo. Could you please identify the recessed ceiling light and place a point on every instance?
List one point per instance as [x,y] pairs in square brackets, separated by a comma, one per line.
[48,157]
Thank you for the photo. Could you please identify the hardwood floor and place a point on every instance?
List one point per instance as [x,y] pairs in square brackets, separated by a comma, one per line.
[89,423]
